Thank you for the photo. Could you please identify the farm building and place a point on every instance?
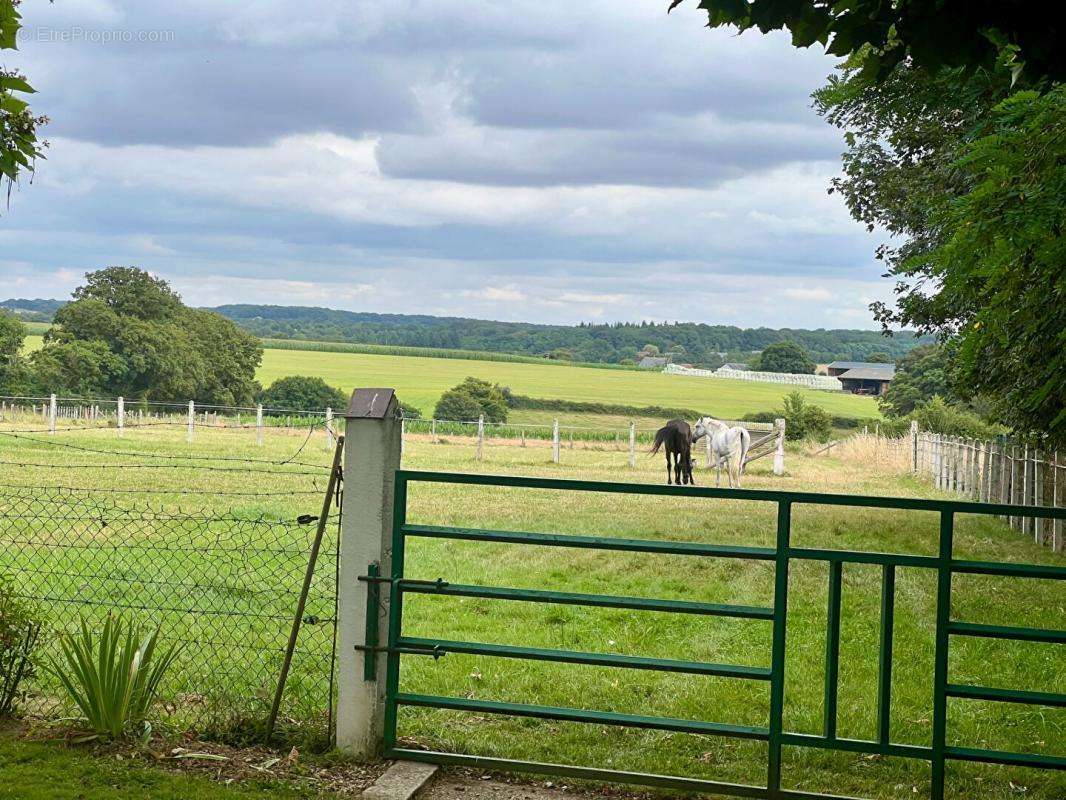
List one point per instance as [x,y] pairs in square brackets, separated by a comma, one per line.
[861,377]
[653,362]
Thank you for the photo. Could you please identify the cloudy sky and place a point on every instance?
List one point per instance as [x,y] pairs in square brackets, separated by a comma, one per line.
[539,160]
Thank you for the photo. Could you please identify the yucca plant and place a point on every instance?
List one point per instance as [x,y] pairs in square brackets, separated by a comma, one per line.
[113,676]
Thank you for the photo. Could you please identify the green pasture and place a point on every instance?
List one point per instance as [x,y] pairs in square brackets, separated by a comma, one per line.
[228,599]
[421,381]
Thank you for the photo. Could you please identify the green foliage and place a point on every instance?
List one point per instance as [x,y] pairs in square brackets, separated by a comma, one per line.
[113,677]
[409,411]
[302,393]
[928,33]
[19,146]
[804,420]
[14,374]
[473,398]
[126,333]
[583,407]
[971,181]
[19,627]
[879,357]
[785,357]
[922,374]
[1000,265]
[484,340]
[457,405]
[939,416]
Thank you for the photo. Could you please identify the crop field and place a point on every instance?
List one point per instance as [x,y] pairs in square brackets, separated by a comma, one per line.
[228,588]
[421,381]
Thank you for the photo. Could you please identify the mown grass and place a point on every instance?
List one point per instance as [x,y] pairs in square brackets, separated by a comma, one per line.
[1020,665]
[35,770]
[421,381]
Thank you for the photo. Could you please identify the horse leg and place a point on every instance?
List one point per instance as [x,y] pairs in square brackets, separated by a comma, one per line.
[669,468]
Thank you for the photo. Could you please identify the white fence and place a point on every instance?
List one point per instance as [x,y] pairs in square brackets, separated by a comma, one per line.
[822,382]
[49,412]
[996,471]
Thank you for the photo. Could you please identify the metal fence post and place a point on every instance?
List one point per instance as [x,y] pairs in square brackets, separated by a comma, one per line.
[120,416]
[192,421]
[779,448]
[632,445]
[259,424]
[52,414]
[371,458]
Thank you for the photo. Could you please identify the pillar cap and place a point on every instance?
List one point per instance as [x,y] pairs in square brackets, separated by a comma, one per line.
[371,403]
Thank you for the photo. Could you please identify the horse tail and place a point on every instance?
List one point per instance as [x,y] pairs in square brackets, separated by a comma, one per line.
[745,443]
[660,439]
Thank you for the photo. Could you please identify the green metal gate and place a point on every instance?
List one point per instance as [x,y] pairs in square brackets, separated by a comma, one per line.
[945,565]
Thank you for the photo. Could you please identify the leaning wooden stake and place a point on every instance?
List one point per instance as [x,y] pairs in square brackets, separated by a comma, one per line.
[323,520]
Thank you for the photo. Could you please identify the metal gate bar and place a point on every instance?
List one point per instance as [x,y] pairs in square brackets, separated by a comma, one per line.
[945,565]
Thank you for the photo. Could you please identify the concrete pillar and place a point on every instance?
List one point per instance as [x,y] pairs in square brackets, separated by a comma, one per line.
[371,458]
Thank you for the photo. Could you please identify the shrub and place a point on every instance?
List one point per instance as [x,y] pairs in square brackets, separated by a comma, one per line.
[18,635]
[303,393]
[941,417]
[114,677]
[409,411]
[457,405]
[489,399]
[803,420]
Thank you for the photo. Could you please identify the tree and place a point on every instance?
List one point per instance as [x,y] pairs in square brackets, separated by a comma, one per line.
[457,405]
[922,374]
[803,420]
[971,181]
[127,333]
[19,146]
[302,393]
[1000,272]
[968,34]
[879,357]
[786,357]
[471,399]
[14,375]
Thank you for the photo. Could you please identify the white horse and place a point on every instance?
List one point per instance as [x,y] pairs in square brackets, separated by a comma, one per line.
[729,446]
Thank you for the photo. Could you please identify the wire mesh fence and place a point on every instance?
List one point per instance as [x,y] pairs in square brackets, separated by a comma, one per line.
[210,541]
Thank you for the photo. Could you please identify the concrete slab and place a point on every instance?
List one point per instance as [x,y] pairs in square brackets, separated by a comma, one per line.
[401,781]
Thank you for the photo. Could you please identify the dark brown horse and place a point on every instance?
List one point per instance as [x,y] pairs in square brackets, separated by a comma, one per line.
[676,437]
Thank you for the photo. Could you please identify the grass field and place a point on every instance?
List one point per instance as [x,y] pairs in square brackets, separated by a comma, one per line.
[420,381]
[224,571]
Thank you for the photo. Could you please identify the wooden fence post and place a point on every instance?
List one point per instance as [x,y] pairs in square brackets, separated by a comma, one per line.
[259,424]
[1038,496]
[632,445]
[480,436]
[914,446]
[779,448]
[403,434]
[371,458]
[52,414]
[191,421]
[1056,525]
[555,441]
[329,428]
[120,416]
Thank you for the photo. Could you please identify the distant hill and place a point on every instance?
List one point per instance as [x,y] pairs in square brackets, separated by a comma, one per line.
[32,310]
[612,343]
[690,342]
